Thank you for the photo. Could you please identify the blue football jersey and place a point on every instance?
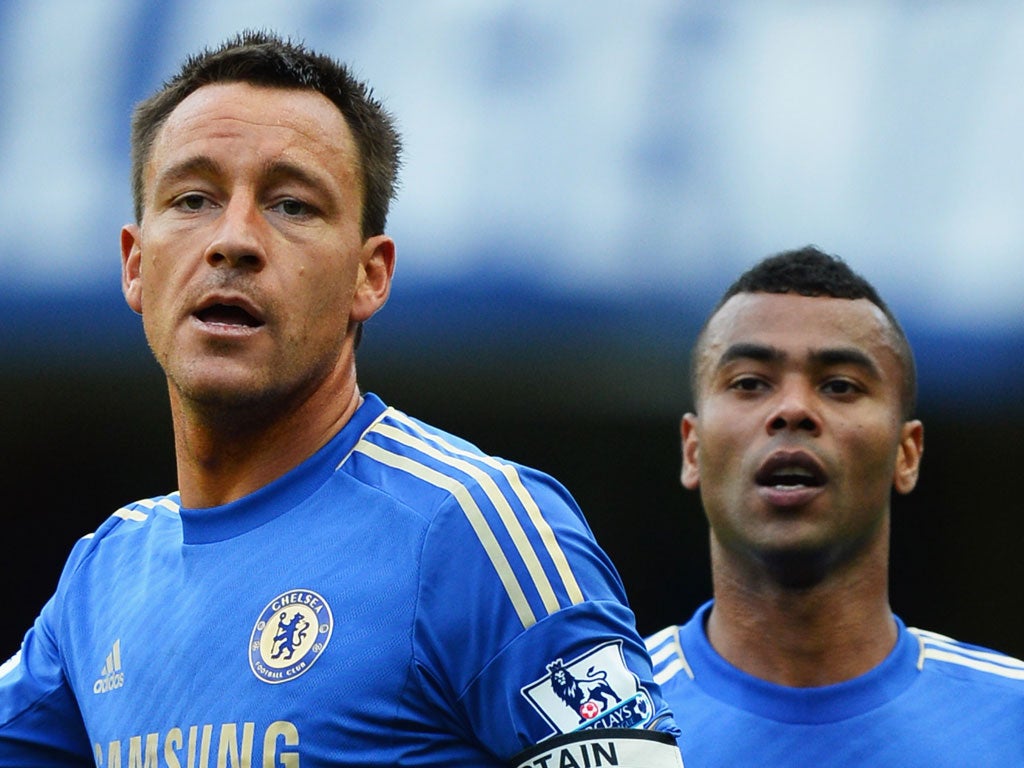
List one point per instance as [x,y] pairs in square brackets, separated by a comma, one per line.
[932,702]
[399,598]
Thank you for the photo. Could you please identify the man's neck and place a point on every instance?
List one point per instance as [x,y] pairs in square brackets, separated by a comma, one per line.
[822,634]
[222,457]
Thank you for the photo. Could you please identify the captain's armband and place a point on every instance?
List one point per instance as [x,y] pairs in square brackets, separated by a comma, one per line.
[621,747]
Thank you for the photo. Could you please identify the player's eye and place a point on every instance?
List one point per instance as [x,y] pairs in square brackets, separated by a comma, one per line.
[292,207]
[840,387]
[190,202]
[747,384]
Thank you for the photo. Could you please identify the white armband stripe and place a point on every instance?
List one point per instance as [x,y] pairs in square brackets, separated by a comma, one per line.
[603,748]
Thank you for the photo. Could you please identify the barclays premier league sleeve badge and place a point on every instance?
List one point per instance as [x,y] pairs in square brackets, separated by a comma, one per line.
[289,636]
[594,690]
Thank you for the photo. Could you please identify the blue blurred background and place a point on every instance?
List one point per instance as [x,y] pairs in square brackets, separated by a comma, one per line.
[582,178]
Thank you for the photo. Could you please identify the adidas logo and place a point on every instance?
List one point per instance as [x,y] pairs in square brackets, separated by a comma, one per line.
[111,677]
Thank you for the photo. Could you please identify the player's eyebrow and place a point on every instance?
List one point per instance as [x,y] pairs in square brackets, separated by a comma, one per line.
[830,356]
[846,356]
[746,350]
[283,169]
[274,170]
[320,183]
[202,165]
[197,165]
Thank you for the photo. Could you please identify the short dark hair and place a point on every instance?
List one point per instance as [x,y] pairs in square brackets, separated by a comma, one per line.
[808,271]
[263,58]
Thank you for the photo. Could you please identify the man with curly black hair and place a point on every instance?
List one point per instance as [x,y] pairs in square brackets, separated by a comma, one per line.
[804,385]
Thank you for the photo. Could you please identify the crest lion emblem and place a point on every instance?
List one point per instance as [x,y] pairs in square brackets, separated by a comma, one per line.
[593,690]
[587,696]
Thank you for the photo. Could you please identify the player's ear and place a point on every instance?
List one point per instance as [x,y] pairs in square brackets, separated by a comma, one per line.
[688,431]
[908,457]
[377,267]
[131,267]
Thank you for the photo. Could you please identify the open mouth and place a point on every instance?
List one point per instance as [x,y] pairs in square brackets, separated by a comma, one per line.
[228,314]
[790,470]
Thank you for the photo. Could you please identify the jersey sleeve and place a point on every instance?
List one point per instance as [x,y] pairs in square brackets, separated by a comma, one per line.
[526,629]
[40,722]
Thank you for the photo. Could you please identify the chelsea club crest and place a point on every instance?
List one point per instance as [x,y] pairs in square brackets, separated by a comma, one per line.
[289,636]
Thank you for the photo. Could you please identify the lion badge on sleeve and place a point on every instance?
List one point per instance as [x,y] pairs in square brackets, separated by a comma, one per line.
[594,690]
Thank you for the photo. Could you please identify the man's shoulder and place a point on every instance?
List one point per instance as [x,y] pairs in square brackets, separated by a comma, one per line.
[428,468]
[967,663]
[668,660]
[122,529]
[139,516]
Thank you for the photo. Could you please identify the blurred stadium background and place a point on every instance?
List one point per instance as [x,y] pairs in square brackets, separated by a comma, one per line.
[582,179]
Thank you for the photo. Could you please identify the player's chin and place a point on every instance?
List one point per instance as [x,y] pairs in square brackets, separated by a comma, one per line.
[799,565]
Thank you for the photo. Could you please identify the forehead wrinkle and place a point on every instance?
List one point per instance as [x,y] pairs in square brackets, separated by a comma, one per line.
[308,123]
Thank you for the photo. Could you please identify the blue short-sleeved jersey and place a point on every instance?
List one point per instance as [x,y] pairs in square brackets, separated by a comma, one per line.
[398,599]
[933,702]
